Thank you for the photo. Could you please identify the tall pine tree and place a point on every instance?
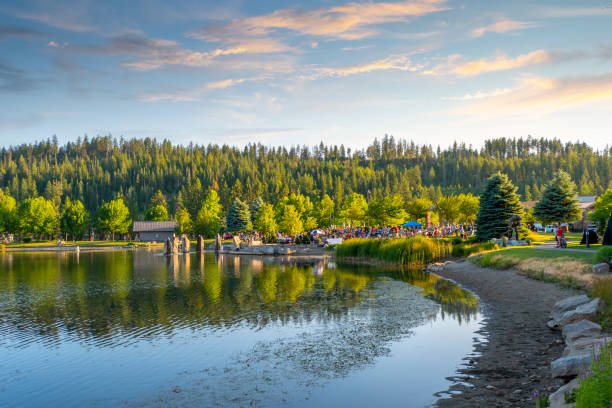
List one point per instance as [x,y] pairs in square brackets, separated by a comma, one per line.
[238,217]
[498,202]
[558,203]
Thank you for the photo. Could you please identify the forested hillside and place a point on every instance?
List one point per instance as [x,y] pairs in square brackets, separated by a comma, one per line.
[98,169]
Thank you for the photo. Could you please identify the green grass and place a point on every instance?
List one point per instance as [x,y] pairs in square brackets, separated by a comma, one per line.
[524,253]
[545,237]
[593,247]
[416,250]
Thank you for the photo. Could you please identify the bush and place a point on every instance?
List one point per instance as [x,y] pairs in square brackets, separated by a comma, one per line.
[595,389]
[604,254]
[26,240]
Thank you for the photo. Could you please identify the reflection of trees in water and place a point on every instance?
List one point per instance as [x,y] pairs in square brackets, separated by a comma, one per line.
[454,300]
[112,296]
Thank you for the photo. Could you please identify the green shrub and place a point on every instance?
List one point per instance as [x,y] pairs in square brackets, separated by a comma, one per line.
[26,240]
[595,388]
[456,240]
[604,254]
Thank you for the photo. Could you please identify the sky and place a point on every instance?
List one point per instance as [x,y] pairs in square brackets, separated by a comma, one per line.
[288,73]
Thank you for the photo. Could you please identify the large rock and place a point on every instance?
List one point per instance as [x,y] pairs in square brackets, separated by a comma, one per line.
[557,398]
[591,345]
[570,366]
[563,306]
[580,330]
[601,268]
[588,311]
[567,304]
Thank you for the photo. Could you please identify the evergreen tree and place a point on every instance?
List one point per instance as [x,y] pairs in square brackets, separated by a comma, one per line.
[114,217]
[255,206]
[498,202]
[157,213]
[238,217]
[74,218]
[558,202]
[159,199]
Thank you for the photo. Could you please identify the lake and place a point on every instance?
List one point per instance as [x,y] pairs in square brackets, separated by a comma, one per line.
[137,328]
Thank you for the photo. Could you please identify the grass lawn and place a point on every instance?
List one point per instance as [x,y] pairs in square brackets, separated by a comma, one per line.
[593,247]
[524,253]
[570,269]
[545,237]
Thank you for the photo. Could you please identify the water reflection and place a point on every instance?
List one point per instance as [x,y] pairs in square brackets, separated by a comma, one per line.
[122,325]
[114,295]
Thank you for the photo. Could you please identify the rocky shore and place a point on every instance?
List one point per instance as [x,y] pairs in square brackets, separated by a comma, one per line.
[516,360]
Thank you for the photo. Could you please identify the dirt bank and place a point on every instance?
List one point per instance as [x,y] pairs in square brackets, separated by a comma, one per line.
[516,359]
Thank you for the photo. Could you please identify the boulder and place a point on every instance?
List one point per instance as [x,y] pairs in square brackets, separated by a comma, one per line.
[590,345]
[601,268]
[570,366]
[588,311]
[557,398]
[567,304]
[580,330]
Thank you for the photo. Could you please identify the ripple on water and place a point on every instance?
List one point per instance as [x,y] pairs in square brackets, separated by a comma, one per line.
[287,370]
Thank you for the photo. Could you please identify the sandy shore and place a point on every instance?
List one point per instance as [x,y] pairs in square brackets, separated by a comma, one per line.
[516,359]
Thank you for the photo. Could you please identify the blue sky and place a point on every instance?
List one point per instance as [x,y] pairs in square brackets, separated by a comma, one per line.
[283,72]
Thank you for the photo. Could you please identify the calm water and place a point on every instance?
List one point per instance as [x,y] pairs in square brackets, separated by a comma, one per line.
[136,328]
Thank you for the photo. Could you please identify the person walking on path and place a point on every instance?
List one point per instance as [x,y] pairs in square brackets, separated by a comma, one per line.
[559,236]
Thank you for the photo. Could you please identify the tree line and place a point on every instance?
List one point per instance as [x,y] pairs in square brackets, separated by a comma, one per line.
[40,217]
[100,169]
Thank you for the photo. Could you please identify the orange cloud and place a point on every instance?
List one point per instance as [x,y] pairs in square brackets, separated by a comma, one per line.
[397,63]
[349,21]
[455,64]
[502,26]
[193,94]
[537,95]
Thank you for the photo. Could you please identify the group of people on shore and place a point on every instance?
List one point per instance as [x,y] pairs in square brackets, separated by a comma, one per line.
[459,230]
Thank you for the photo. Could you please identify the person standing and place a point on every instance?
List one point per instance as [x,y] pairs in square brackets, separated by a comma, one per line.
[559,236]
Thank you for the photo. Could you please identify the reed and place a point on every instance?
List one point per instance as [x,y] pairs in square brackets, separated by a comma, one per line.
[406,251]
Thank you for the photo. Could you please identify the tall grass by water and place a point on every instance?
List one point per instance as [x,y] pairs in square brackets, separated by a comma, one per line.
[410,251]
[416,250]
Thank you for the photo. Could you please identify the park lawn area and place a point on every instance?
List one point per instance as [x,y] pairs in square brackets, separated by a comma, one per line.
[571,269]
[545,237]
[576,245]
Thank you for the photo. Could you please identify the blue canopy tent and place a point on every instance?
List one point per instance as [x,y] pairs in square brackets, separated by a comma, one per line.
[412,224]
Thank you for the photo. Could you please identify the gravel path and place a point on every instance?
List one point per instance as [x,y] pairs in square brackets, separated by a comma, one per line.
[515,361]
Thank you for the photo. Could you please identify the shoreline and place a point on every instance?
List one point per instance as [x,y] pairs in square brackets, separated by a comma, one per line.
[514,361]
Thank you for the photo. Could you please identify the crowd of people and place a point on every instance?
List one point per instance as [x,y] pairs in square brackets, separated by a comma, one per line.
[459,230]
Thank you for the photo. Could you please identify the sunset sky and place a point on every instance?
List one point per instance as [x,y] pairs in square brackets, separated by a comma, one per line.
[283,72]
